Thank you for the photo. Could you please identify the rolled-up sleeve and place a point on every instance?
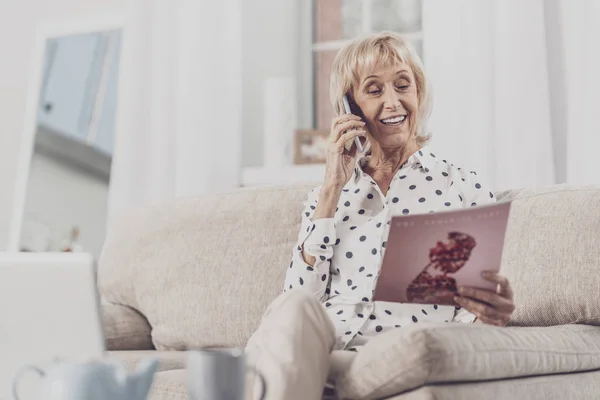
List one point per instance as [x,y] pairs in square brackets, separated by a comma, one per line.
[318,238]
[476,192]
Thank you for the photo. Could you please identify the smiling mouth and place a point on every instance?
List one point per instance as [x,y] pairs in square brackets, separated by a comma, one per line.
[397,120]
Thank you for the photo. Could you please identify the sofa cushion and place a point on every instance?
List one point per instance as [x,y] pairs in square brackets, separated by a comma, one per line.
[203,270]
[552,255]
[167,360]
[413,356]
[125,328]
[580,386]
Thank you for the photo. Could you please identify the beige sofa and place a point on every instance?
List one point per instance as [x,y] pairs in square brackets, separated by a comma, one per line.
[199,272]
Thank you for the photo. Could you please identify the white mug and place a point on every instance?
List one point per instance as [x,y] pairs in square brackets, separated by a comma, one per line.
[219,374]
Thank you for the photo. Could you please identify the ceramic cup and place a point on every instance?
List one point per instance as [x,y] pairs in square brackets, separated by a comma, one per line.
[219,374]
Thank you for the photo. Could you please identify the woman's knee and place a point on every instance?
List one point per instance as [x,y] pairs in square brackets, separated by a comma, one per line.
[297,301]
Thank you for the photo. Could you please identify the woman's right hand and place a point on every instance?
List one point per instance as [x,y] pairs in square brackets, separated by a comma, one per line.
[340,162]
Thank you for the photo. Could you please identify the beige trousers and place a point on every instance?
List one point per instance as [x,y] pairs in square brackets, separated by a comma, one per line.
[292,348]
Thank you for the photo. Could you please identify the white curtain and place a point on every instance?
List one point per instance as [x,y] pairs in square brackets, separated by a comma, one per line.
[179,119]
[515,88]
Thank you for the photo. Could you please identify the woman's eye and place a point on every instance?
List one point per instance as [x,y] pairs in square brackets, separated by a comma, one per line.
[403,87]
[374,91]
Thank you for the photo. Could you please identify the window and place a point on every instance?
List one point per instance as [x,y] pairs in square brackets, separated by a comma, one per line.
[336,22]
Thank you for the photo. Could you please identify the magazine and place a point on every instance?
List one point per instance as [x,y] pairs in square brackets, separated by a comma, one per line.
[428,256]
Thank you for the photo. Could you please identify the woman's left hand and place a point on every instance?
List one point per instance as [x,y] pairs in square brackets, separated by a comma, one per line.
[493,308]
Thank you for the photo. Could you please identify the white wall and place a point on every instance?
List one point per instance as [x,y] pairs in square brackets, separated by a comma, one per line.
[18,21]
[269,48]
[60,197]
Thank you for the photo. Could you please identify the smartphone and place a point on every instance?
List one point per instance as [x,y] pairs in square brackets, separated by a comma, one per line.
[348,111]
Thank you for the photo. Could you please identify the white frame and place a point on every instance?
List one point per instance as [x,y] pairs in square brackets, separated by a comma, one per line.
[367,27]
[45,31]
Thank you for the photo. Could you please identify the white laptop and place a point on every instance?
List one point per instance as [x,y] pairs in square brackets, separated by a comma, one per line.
[49,309]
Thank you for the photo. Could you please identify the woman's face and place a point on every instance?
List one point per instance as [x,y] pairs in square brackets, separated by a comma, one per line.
[389,103]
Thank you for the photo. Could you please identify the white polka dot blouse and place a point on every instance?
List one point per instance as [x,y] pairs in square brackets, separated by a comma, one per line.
[350,246]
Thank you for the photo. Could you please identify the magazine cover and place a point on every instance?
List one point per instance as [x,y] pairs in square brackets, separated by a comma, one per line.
[428,256]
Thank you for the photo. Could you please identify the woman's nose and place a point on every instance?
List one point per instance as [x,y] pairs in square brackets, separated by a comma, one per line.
[391,100]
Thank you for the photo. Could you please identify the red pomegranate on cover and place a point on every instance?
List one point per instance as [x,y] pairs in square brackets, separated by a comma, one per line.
[433,285]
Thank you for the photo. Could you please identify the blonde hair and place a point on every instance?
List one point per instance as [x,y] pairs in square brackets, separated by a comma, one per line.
[376,51]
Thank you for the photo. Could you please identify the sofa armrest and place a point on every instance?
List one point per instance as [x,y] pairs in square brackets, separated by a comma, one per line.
[125,328]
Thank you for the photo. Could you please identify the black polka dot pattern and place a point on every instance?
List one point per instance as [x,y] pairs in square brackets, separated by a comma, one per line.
[348,247]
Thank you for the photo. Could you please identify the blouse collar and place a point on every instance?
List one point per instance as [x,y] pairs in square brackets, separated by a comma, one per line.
[422,159]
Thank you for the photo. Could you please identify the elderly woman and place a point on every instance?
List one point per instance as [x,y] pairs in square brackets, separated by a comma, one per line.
[345,221]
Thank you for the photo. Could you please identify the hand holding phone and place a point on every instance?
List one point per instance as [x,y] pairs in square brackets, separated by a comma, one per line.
[348,111]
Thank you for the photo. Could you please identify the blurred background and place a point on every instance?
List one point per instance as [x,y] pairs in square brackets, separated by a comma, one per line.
[108,106]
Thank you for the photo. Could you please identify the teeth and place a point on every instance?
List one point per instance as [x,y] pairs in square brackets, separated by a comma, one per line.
[394,120]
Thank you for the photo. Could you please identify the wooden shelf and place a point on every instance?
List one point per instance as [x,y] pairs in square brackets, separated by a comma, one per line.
[258,176]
